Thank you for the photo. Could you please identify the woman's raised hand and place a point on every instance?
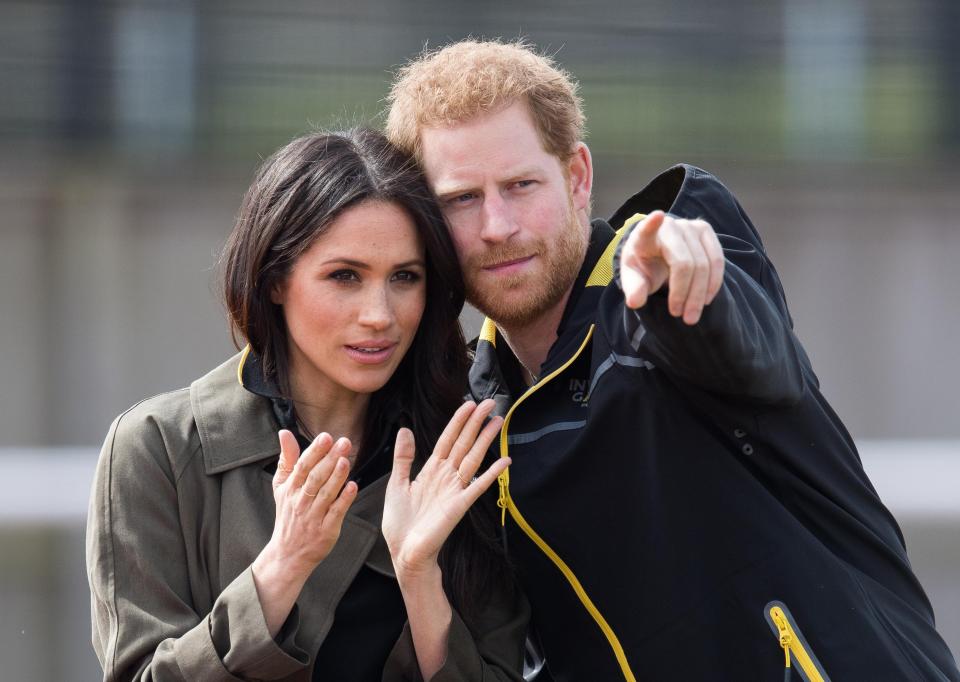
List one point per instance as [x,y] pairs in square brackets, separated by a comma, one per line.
[419,514]
[312,501]
[311,498]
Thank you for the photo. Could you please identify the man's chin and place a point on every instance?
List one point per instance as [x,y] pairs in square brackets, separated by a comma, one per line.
[507,308]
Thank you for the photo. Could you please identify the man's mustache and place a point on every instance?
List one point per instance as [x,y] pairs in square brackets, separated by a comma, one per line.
[503,254]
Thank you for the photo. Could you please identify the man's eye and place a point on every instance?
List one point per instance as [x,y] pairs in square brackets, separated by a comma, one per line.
[462,198]
[406,276]
[524,183]
[345,276]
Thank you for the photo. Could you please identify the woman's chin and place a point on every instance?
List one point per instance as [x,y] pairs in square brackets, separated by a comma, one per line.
[369,384]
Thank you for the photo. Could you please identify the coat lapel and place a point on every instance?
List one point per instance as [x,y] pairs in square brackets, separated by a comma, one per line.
[360,542]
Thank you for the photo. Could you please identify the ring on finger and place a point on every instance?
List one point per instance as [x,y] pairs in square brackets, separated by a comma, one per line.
[462,480]
[308,494]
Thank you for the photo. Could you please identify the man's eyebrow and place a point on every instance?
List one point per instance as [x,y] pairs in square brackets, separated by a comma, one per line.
[454,188]
[523,173]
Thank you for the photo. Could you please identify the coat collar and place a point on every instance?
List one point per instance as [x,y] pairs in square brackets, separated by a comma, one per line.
[236,427]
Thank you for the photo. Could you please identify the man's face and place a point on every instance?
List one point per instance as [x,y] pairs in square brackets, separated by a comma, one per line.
[517,213]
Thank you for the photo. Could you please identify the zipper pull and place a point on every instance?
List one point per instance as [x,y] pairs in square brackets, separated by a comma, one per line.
[502,499]
[786,636]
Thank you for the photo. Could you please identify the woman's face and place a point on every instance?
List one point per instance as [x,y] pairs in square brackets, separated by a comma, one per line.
[353,301]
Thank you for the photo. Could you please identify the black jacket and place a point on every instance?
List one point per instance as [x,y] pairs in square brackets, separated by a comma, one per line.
[683,502]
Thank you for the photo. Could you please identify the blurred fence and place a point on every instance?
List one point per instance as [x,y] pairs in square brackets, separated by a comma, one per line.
[788,79]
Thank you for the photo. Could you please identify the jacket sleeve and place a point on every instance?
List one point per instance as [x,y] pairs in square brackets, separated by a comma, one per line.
[486,647]
[145,624]
[742,347]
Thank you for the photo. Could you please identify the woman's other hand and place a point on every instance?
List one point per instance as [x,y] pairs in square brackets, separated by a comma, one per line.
[419,514]
[312,502]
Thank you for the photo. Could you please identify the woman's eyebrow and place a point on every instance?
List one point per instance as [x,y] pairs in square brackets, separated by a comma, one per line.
[366,266]
[347,261]
[411,263]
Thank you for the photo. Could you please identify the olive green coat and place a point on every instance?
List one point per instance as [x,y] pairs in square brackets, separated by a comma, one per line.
[181,506]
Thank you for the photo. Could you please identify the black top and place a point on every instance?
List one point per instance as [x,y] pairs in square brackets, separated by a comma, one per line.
[366,625]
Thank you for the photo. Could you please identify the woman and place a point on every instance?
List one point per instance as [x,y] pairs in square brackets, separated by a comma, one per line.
[211,557]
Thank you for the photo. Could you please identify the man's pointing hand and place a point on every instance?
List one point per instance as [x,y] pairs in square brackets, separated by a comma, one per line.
[683,254]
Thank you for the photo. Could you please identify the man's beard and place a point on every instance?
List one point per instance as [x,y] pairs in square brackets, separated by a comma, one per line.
[561,264]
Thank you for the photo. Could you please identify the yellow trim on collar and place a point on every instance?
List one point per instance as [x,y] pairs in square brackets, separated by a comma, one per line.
[603,270]
[488,332]
[243,359]
[601,275]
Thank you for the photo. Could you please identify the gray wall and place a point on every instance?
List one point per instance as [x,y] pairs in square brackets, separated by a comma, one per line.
[109,292]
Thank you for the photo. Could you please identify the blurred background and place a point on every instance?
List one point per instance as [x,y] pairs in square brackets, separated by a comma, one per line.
[130,130]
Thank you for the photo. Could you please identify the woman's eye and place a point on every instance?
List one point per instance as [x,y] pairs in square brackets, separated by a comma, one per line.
[406,276]
[345,276]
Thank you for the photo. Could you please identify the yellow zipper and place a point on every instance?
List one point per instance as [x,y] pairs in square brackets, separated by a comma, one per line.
[505,502]
[793,645]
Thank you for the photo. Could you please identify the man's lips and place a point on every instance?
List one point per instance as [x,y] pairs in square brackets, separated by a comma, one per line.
[507,266]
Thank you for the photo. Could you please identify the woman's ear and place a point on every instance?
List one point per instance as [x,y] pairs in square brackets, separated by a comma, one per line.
[580,175]
[278,292]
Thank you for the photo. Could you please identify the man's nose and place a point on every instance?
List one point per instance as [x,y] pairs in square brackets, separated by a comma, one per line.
[498,223]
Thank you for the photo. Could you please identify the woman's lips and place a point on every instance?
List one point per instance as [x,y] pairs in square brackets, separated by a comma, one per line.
[370,353]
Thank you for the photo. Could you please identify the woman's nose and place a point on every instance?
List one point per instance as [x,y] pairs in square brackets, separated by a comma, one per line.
[377,312]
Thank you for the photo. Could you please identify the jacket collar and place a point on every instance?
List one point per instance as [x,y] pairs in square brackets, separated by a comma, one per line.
[581,306]
[487,377]
[690,192]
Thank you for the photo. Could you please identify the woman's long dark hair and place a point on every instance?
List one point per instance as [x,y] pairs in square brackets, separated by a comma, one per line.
[295,196]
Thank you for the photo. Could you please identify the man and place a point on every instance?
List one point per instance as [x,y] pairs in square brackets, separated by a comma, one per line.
[683,504]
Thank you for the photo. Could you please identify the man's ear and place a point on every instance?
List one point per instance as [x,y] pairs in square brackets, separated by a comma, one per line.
[580,176]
